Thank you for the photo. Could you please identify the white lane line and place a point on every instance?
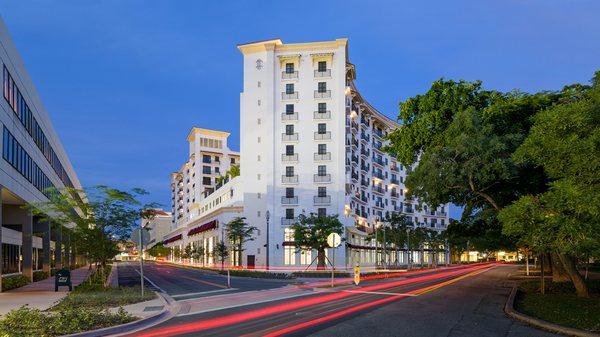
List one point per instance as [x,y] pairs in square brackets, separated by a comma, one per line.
[243,304]
[152,283]
[203,292]
[378,293]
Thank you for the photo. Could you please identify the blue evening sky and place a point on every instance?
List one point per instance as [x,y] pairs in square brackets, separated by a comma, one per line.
[125,80]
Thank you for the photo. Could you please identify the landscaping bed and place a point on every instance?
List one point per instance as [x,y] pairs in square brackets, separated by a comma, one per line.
[84,309]
[560,304]
[255,274]
[13,282]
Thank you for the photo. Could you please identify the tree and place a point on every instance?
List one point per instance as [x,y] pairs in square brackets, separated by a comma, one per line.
[220,250]
[186,253]
[159,250]
[101,217]
[177,252]
[395,226]
[565,219]
[311,232]
[238,233]
[198,252]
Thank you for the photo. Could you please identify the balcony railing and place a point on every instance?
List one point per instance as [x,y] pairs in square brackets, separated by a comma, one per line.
[365,152]
[354,158]
[289,116]
[378,174]
[365,137]
[289,157]
[438,213]
[289,137]
[378,189]
[289,75]
[322,178]
[322,94]
[364,121]
[378,160]
[394,168]
[378,133]
[322,114]
[323,156]
[293,95]
[288,221]
[354,175]
[289,200]
[354,125]
[395,195]
[409,210]
[323,136]
[320,200]
[364,182]
[285,179]
[395,181]
[323,73]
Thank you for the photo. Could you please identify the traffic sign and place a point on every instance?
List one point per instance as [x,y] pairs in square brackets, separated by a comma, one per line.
[334,240]
[356,275]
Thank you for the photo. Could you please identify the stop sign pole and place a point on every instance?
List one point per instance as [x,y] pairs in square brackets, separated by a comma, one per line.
[333,240]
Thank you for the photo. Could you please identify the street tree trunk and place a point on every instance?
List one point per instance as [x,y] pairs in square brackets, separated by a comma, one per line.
[240,254]
[580,286]
[321,259]
[559,274]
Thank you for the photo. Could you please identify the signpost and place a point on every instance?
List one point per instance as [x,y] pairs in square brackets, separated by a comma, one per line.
[356,275]
[141,236]
[63,279]
[333,240]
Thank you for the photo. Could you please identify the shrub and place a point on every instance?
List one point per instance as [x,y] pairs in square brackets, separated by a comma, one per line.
[256,274]
[105,298]
[33,322]
[320,274]
[12,282]
[39,275]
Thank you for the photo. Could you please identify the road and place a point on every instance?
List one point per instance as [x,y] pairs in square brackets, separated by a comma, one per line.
[459,301]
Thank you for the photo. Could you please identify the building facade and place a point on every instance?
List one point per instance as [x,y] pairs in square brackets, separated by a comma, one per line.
[33,160]
[158,226]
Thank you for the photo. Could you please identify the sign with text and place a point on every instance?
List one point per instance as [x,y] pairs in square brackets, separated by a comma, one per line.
[62,278]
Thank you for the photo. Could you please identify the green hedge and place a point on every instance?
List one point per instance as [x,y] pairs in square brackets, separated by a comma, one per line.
[39,275]
[13,282]
[256,274]
[320,274]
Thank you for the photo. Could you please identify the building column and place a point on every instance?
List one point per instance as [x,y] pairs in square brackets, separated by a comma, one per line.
[1,258]
[27,245]
[47,230]
[58,246]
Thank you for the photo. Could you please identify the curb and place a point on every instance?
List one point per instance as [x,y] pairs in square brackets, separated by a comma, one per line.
[541,324]
[170,310]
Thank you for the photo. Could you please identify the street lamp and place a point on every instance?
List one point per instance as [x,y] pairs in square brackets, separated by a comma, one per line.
[268,214]
[408,251]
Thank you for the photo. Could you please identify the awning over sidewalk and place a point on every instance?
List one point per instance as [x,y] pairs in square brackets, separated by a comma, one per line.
[203,228]
[173,239]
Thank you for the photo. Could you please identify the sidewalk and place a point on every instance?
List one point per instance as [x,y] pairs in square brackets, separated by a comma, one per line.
[39,295]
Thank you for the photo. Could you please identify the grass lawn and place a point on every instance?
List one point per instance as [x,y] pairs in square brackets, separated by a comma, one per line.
[560,304]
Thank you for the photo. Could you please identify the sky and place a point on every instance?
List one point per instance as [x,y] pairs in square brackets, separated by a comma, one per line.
[125,80]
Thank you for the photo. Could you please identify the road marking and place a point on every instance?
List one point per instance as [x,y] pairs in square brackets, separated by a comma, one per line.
[205,282]
[149,281]
[244,304]
[203,292]
[378,293]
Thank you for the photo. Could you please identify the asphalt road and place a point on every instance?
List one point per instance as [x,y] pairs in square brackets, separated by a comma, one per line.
[183,283]
[456,302]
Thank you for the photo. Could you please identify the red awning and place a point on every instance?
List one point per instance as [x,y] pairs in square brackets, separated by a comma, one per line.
[203,228]
[173,239]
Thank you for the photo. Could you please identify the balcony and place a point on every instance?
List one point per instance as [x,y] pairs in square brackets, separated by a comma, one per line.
[289,116]
[323,156]
[364,122]
[364,168]
[365,152]
[378,189]
[438,213]
[323,135]
[354,176]
[354,125]
[378,174]
[409,210]
[289,157]
[354,158]
[395,168]
[288,75]
[326,114]
[395,194]
[378,133]
[289,137]
[378,160]
[377,145]
[322,178]
[322,200]
[364,182]
[394,181]
[364,137]
[288,96]
[323,73]
[289,200]
[322,94]
[288,221]
[293,179]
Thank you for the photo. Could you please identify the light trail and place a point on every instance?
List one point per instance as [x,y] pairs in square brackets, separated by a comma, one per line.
[265,312]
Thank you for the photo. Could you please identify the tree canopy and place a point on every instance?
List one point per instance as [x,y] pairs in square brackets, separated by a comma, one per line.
[311,232]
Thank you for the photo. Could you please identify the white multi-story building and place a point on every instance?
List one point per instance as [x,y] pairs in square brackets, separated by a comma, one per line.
[158,226]
[310,143]
[33,160]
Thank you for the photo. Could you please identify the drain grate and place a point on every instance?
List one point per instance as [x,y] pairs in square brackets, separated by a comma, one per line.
[154,308]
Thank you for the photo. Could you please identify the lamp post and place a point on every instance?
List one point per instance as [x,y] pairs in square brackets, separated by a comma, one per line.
[408,251]
[268,214]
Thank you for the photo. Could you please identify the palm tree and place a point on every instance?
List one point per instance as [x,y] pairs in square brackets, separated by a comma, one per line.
[238,233]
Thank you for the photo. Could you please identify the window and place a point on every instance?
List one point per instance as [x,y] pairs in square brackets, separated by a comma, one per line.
[258,121]
[322,170]
[258,158]
[289,88]
[259,102]
[289,129]
[216,159]
[289,213]
[259,84]
[322,128]
[322,148]
[289,192]
[289,68]
[232,161]
[289,171]
[258,195]
[305,257]
[322,66]
[289,109]
[289,255]
[322,107]
[258,176]
[258,139]
[322,191]
[206,170]
[206,159]
[206,181]
[322,87]
[321,211]
[258,214]
[289,150]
